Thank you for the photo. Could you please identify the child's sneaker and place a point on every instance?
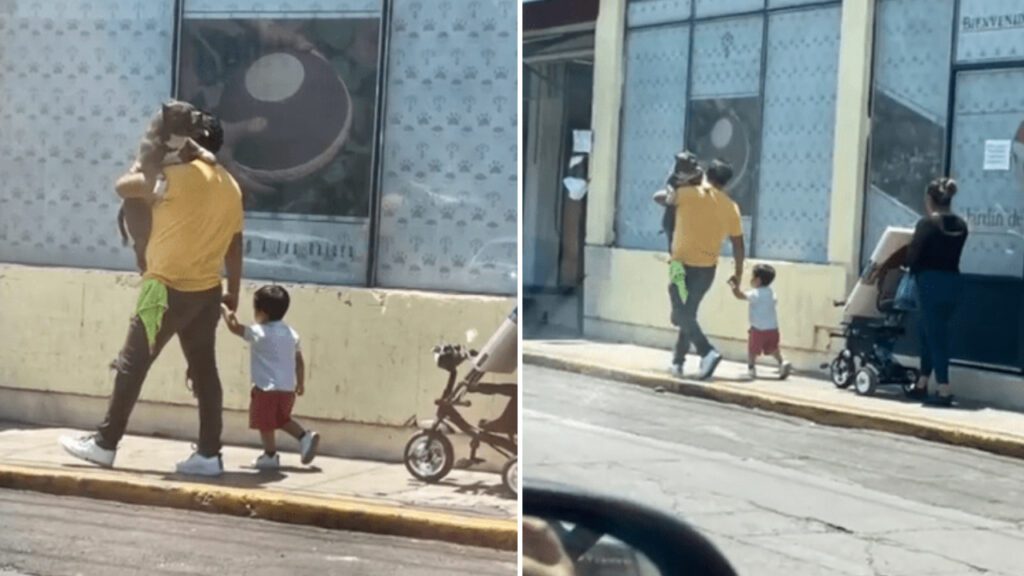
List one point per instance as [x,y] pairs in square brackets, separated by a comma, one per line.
[751,373]
[267,462]
[308,445]
[785,369]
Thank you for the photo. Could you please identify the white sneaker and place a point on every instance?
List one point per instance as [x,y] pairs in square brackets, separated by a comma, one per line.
[267,462]
[676,370]
[86,448]
[751,374]
[308,446]
[198,465]
[785,369]
[709,364]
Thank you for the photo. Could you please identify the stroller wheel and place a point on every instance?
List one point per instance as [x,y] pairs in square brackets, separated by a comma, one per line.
[510,476]
[912,376]
[429,456]
[841,371]
[866,381]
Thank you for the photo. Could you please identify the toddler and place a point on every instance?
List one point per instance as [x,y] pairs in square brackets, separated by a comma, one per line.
[764,321]
[278,374]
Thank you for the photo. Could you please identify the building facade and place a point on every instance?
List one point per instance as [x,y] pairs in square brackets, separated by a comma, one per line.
[375,141]
[835,115]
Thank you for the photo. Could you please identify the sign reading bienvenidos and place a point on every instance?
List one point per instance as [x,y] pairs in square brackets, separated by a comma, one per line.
[989,23]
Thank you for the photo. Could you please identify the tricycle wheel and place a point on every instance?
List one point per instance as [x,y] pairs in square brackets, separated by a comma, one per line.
[510,476]
[841,370]
[429,456]
[866,381]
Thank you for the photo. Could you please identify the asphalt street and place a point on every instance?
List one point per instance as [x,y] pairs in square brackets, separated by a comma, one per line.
[42,535]
[780,496]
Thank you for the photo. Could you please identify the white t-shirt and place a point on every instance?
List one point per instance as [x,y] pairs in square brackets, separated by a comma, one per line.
[762,309]
[272,356]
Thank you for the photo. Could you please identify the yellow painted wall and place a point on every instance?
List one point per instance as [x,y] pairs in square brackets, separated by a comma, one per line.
[630,287]
[368,351]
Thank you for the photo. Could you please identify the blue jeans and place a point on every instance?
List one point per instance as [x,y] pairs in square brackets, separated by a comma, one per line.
[938,294]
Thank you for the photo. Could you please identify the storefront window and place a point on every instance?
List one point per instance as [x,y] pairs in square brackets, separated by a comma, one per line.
[909,112]
[764,104]
[725,104]
[79,82]
[648,12]
[653,122]
[720,7]
[990,31]
[798,139]
[295,85]
[449,197]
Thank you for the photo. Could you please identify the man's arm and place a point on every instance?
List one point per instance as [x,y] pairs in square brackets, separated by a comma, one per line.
[236,327]
[134,185]
[738,254]
[233,265]
[300,373]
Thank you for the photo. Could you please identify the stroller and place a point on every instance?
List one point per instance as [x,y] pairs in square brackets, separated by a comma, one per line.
[429,455]
[871,331]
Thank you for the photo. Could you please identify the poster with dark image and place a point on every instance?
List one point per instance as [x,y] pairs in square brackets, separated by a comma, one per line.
[730,129]
[298,101]
[907,151]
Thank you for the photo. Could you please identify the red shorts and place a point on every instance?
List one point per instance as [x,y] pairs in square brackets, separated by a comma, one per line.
[763,342]
[270,410]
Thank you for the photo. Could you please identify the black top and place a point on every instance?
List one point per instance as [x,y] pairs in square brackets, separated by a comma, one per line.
[937,244]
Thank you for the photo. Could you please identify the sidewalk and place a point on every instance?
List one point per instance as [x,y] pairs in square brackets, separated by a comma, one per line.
[468,508]
[804,396]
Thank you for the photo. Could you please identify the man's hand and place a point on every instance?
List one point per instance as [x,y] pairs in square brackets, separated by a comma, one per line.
[543,554]
[230,302]
[231,320]
[300,389]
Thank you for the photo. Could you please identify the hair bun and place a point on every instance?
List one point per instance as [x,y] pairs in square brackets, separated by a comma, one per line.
[948,187]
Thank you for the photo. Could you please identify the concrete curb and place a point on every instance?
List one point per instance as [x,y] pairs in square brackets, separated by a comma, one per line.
[844,417]
[339,514]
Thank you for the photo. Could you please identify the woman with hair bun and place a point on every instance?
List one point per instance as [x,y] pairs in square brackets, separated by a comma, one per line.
[933,258]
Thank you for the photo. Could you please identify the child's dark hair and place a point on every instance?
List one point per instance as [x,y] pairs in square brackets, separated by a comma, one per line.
[273,301]
[719,173]
[764,273]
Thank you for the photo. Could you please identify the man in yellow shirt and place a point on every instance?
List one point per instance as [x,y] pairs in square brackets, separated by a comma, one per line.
[704,217]
[197,232]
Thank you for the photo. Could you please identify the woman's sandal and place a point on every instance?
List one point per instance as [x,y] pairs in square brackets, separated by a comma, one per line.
[939,401]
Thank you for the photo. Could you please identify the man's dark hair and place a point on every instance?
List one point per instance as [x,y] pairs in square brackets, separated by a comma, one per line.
[764,273]
[719,173]
[273,301]
[213,138]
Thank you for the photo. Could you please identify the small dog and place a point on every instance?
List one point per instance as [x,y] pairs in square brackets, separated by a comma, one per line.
[169,140]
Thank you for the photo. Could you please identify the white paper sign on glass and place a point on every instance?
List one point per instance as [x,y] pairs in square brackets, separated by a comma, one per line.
[997,154]
[582,141]
[577,188]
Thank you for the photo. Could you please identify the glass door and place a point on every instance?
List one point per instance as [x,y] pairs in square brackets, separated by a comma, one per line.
[987,159]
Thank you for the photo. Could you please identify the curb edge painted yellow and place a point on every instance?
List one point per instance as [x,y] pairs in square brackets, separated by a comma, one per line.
[816,412]
[335,513]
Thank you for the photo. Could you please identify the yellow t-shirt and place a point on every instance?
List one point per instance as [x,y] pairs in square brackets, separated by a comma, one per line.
[705,216]
[193,226]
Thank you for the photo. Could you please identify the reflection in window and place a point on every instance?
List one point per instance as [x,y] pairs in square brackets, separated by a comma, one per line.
[297,95]
[909,111]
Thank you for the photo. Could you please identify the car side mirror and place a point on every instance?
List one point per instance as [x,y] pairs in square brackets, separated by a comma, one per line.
[567,532]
